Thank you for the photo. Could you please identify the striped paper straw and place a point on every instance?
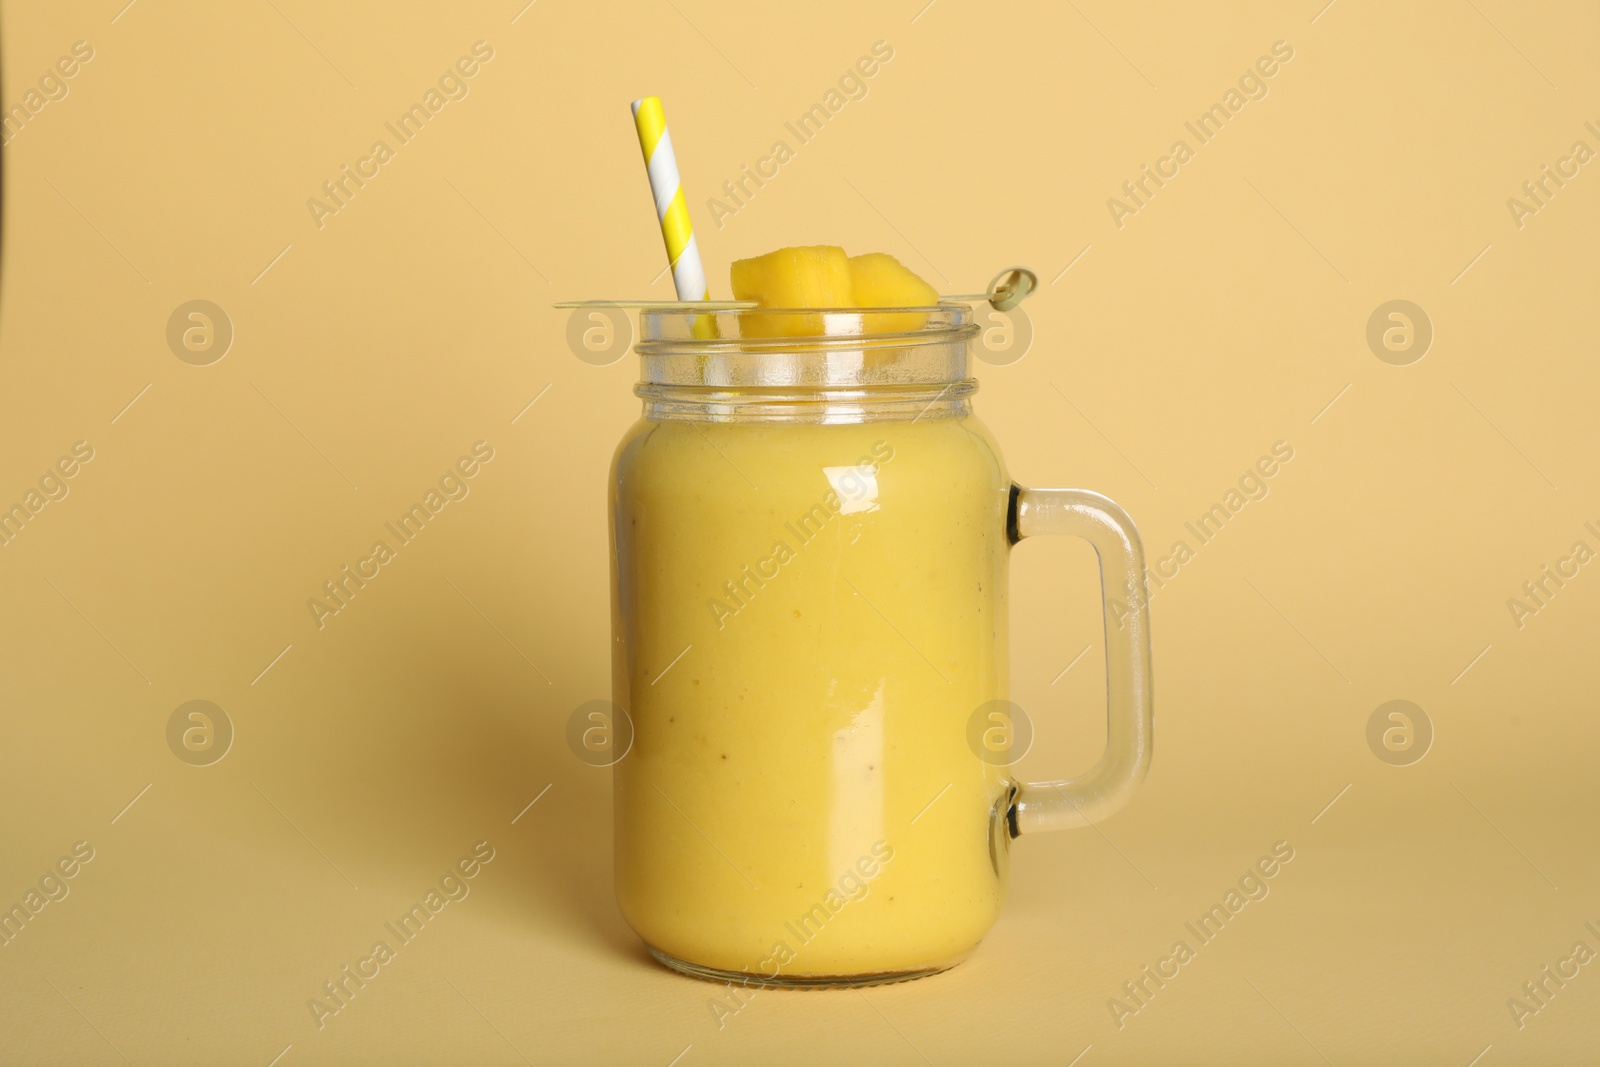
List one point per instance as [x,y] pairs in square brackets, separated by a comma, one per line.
[688,276]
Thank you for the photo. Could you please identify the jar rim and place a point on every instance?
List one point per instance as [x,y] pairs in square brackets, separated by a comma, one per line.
[725,331]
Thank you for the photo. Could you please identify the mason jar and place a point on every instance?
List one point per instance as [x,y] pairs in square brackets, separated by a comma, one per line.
[811,535]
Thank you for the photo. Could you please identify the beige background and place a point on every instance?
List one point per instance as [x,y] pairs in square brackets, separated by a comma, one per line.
[369,354]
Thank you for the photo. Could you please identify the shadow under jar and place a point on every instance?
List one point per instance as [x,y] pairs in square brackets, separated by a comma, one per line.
[810,543]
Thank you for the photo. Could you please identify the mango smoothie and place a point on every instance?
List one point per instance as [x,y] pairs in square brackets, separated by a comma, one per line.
[806,616]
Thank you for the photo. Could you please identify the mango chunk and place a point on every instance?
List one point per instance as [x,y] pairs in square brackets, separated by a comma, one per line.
[821,276]
[881,281]
[810,276]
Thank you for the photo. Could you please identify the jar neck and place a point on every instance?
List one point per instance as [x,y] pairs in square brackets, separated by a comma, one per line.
[875,403]
[817,366]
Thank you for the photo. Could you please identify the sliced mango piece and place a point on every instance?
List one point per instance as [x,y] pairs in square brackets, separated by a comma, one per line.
[822,276]
[810,276]
[881,281]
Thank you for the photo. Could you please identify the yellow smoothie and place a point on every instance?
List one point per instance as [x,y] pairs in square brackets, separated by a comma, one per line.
[805,618]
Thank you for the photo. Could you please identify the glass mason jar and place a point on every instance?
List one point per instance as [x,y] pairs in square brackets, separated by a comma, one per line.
[810,542]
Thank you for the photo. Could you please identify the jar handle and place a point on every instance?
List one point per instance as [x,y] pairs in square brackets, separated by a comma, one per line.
[1082,801]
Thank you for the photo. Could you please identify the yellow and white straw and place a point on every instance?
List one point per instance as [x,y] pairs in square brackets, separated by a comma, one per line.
[688,276]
